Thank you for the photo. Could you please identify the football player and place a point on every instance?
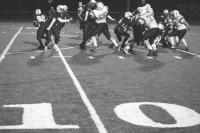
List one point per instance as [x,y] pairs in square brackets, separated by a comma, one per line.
[53,28]
[100,15]
[63,16]
[88,22]
[146,18]
[181,28]
[122,28]
[41,21]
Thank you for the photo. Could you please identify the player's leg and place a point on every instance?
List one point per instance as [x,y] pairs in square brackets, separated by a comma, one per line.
[39,38]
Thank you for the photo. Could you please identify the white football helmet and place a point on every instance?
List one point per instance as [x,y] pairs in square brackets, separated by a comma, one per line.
[59,8]
[176,13]
[100,5]
[38,11]
[128,15]
[166,11]
[65,7]
[92,1]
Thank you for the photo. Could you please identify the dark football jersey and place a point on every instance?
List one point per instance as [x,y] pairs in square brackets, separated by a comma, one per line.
[41,19]
[124,24]
[88,7]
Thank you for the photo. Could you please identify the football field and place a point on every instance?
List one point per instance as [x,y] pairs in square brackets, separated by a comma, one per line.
[74,91]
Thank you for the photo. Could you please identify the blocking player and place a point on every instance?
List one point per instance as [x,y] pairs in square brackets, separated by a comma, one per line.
[100,15]
[88,22]
[63,16]
[147,19]
[122,28]
[181,28]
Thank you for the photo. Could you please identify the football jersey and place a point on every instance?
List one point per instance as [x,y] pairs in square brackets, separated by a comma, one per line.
[87,8]
[101,15]
[41,19]
[124,24]
[146,13]
[179,22]
[150,21]
[145,9]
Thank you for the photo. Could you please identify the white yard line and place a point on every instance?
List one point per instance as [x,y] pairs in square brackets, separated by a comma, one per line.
[30,33]
[193,34]
[99,124]
[10,44]
[63,56]
[38,51]
[189,53]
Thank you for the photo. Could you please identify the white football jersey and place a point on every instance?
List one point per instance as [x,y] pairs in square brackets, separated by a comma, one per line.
[146,13]
[145,9]
[179,22]
[150,21]
[101,15]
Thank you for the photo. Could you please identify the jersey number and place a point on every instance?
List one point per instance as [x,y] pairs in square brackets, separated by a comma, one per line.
[41,18]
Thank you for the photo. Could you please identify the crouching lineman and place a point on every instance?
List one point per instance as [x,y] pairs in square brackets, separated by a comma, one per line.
[121,30]
[41,21]
[146,18]
[165,21]
[181,28]
[100,15]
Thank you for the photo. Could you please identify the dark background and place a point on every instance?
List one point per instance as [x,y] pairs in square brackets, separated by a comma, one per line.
[15,9]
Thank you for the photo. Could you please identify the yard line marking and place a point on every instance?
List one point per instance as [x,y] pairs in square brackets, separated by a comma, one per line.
[121,57]
[178,57]
[72,36]
[38,51]
[30,28]
[11,26]
[63,56]
[193,34]
[27,33]
[189,53]
[9,45]
[99,124]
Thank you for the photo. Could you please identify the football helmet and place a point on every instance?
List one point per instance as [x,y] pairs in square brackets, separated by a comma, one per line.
[58,8]
[166,11]
[61,8]
[92,1]
[176,13]
[38,11]
[100,5]
[65,7]
[128,15]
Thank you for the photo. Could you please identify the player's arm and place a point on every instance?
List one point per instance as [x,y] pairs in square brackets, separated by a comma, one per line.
[111,18]
[51,24]
[64,20]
